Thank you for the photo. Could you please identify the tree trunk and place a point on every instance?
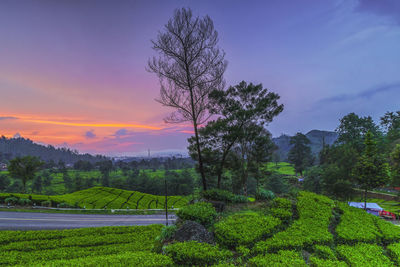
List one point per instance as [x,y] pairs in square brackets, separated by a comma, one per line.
[221,168]
[201,169]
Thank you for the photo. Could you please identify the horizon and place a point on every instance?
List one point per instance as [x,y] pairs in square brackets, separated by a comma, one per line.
[73,74]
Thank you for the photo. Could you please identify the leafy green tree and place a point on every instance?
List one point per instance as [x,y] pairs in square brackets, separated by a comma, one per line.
[371,170]
[105,168]
[68,183]
[334,184]
[24,168]
[352,130]
[395,165]
[276,183]
[300,153]
[391,124]
[313,179]
[190,65]
[4,182]
[240,109]
[47,178]
[37,184]
[78,182]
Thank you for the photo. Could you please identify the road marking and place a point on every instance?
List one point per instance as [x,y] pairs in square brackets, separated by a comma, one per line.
[69,220]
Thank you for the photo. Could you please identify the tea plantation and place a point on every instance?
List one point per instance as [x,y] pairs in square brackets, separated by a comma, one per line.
[306,230]
[98,198]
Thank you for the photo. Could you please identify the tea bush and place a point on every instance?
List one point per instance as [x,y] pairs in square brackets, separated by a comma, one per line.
[198,254]
[282,258]
[363,255]
[223,195]
[201,212]
[244,229]
[315,212]
[147,259]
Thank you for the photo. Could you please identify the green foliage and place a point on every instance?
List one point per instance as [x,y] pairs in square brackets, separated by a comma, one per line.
[11,200]
[104,197]
[282,258]
[356,225]
[198,254]
[324,252]
[201,212]
[394,252]
[313,180]
[39,247]
[24,168]
[371,171]
[318,262]
[315,212]
[395,165]
[364,255]
[300,153]
[352,130]
[277,183]
[281,208]
[24,202]
[167,232]
[244,229]
[223,195]
[263,194]
[144,258]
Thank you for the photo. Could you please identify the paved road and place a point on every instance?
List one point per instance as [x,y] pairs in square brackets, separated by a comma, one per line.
[42,221]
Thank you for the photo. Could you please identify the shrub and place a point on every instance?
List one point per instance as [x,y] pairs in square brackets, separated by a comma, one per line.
[201,212]
[390,233]
[46,203]
[315,212]
[11,200]
[223,195]
[263,194]
[394,252]
[282,258]
[64,205]
[244,229]
[194,253]
[318,262]
[24,202]
[281,208]
[324,252]
[363,255]
[355,226]
[122,259]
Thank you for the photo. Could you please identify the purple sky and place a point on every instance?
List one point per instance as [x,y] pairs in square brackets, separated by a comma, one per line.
[73,72]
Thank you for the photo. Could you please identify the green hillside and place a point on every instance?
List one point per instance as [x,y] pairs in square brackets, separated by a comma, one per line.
[103,198]
[307,230]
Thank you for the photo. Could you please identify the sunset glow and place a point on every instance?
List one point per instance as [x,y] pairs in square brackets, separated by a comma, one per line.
[72,73]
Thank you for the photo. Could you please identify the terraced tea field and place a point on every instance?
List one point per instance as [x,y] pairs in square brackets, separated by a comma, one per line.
[103,198]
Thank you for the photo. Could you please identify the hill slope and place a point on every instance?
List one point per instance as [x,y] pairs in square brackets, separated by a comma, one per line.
[17,147]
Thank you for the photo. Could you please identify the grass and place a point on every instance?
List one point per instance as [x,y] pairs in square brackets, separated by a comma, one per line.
[281,168]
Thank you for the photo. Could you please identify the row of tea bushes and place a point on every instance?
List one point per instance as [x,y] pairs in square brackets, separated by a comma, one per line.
[315,212]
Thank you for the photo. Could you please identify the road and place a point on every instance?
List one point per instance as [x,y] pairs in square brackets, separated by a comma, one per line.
[46,221]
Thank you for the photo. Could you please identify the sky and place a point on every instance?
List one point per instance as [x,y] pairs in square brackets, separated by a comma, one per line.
[73,72]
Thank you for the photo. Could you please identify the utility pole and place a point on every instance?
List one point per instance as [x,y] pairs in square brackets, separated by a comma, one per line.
[166,200]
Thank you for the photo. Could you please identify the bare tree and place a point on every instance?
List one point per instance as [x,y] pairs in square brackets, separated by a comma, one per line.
[189,65]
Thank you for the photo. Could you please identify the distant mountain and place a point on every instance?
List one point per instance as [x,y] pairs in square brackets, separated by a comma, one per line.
[316,138]
[18,147]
